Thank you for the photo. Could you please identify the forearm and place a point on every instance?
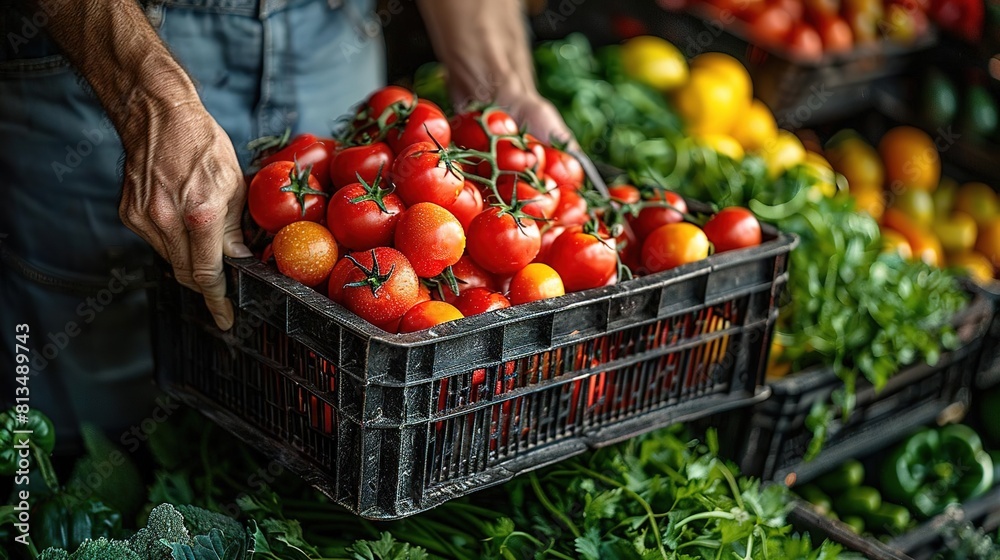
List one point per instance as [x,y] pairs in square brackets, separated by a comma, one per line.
[111,43]
[484,46]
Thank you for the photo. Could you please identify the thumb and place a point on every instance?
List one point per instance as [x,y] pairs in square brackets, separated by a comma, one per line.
[232,237]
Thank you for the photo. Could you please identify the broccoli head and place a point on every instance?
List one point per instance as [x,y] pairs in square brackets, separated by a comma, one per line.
[101,549]
[165,523]
[201,522]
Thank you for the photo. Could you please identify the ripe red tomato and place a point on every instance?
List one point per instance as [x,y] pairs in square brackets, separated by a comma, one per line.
[653,216]
[430,237]
[550,232]
[500,243]
[338,277]
[428,314]
[468,275]
[583,260]
[563,168]
[381,100]
[480,300]
[534,282]
[771,26]
[468,205]
[516,154]
[625,194]
[543,204]
[380,287]
[308,150]
[672,245]
[305,251]
[732,228]
[365,160]
[572,209]
[421,176]
[804,43]
[836,34]
[425,124]
[364,216]
[273,206]
[467,132]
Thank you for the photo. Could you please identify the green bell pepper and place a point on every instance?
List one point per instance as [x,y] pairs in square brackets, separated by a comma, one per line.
[934,468]
[36,436]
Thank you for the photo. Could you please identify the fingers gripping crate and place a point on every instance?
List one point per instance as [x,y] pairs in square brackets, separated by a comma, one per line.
[913,397]
[389,425]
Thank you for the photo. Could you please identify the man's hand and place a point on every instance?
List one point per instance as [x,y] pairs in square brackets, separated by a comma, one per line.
[184,194]
[539,116]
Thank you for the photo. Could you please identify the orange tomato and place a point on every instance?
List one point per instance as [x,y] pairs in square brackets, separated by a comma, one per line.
[305,251]
[925,245]
[911,159]
[672,245]
[836,34]
[534,282]
[804,43]
[427,314]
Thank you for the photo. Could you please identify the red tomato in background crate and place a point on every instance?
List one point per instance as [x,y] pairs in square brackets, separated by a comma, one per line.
[426,123]
[366,161]
[380,286]
[733,228]
[534,282]
[421,176]
[652,217]
[430,237]
[305,251]
[307,150]
[501,244]
[468,205]
[364,216]
[480,300]
[428,314]
[282,193]
[564,169]
[583,260]
[543,205]
[467,132]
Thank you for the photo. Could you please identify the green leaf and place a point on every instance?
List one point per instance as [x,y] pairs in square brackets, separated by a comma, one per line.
[588,545]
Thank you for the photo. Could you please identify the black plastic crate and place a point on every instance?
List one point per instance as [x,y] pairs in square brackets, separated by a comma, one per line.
[915,396]
[389,425]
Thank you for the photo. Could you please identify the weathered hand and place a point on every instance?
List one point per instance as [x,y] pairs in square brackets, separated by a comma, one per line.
[184,195]
[539,115]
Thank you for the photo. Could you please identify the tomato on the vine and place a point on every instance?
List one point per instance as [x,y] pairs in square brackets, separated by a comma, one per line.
[305,251]
[430,237]
[537,203]
[363,216]
[428,314]
[672,245]
[572,209]
[423,173]
[426,123]
[501,243]
[380,287]
[517,155]
[468,133]
[733,228]
[282,193]
[624,194]
[366,161]
[467,275]
[563,168]
[307,150]
[583,260]
[534,282]
[480,300]
[468,205]
[377,103]
[669,208]
[550,232]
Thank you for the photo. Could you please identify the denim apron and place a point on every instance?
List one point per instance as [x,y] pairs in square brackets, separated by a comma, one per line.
[69,269]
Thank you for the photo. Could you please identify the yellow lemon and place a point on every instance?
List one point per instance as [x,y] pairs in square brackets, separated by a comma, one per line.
[957,232]
[756,128]
[655,62]
[785,151]
[708,104]
[724,144]
[855,159]
[734,73]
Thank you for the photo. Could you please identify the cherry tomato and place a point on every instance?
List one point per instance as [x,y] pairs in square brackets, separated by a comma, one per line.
[425,123]
[672,245]
[305,251]
[338,277]
[583,260]
[308,150]
[652,217]
[480,300]
[467,132]
[282,193]
[380,287]
[468,205]
[572,209]
[500,243]
[733,228]
[428,314]
[534,282]
[365,160]
[381,100]
[364,216]
[430,237]
[421,176]
[543,204]
[563,168]
[516,154]
[468,275]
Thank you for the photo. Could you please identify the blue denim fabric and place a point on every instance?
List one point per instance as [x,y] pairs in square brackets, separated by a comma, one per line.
[69,267]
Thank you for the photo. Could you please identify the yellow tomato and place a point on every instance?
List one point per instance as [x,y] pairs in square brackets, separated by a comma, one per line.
[988,241]
[655,62]
[724,144]
[956,232]
[708,103]
[895,242]
[870,200]
[855,159]
[916,204]
[756,128]
[734,73]
[979,267]
[783,152]
[979,201]
[911,159]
